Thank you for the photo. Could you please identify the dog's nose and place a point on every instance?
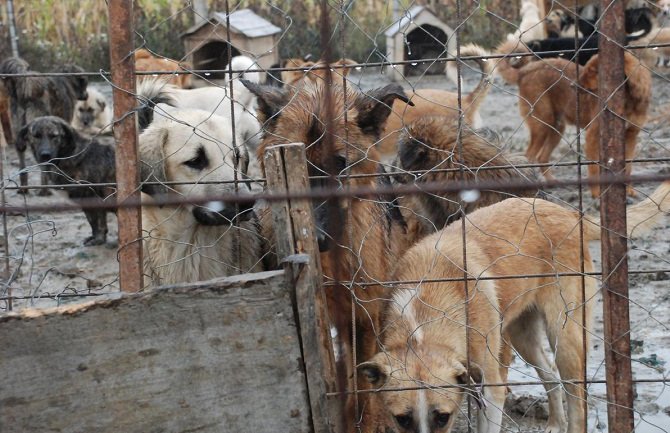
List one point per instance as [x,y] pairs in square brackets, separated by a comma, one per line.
[45,155]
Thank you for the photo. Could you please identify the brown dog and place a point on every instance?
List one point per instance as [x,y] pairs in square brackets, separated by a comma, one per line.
[147,62]
[436,102]
[547,102]
[313,71]
[429,149]
[425,343]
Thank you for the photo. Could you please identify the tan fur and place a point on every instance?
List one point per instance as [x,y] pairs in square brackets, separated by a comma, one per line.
[547,102]
[177,247]
[95,107]
[145,61]
[313,71]
[424,340]
[507,66]
[436,102]
[658,57]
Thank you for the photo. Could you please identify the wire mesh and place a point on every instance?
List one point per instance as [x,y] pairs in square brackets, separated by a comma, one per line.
[414,115]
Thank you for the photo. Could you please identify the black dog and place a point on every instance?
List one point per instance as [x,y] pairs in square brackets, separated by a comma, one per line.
[73,159]
[36,96]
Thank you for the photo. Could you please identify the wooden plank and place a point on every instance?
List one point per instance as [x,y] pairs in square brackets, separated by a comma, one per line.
[286,171]
[220,356]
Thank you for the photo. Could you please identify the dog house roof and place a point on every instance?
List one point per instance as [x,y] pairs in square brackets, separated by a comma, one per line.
[406,20]
[243,21]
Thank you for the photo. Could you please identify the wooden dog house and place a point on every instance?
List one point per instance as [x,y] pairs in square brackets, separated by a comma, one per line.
[206,44]
[419,34]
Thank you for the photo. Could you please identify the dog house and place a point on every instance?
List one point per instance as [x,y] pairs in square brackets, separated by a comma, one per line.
[206,44]
[419,34]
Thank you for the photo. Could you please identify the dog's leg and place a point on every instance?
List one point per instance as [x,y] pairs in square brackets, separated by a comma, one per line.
[23,176]
[631,143]
[592,151]
[489,418]
[526,334]
[98,222]
[44,178]
[552,134]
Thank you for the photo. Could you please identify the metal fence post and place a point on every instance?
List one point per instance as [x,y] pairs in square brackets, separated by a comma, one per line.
[613,216]
[121,45]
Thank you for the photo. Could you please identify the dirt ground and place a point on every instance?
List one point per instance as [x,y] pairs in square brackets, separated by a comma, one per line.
[50,266]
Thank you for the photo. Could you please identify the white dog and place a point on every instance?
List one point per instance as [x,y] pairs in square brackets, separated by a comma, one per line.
[531,26]
[186,243]
[664,14]
[94,115]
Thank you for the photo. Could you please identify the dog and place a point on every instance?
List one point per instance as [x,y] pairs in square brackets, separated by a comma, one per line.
[186,243]
[248,67]
[37,96]
[436,102]
[663,16]
[531,26]
[425,343]
[313,71]
[429,147]
[658,57]
[147,62]
[71,158]
[94,115]
[560,24]
[547,102]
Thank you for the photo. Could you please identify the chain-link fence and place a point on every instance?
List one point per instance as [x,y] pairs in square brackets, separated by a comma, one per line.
[488,182]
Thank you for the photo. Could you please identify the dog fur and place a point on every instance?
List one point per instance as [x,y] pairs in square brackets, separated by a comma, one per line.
[547,101]
[659,57]
[429,145]
[37,96]
[531,26]
[147,62]
[94,115]
[186,243]
[425,344]
[436,102]
[71,158]
[560,24]
[313,71]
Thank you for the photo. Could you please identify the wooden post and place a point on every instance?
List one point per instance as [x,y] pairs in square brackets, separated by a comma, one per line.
[297,248]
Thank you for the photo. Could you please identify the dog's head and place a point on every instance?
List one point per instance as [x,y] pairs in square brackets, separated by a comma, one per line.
[434,409]
[194,147]
[79,83]
[88,111]
[337,138]
[49,138]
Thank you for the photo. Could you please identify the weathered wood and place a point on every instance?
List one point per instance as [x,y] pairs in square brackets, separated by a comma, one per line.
[286,171]
[220,356]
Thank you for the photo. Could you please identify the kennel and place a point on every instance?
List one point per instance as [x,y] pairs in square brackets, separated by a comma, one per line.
[419,34]
[206,44]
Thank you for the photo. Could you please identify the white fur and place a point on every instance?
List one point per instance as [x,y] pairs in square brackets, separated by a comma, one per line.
[244,63]
[102,113]
[403,306]
[531,26]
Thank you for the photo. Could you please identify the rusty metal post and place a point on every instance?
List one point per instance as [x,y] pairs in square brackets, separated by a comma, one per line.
[613,215]
[121,45]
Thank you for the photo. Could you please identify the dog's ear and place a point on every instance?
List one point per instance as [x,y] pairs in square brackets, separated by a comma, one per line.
[270,99]
[71,139]
[102,104]
[375,371]
[21,142]
[374,107]
[588,76]
[412,153]
[152,160]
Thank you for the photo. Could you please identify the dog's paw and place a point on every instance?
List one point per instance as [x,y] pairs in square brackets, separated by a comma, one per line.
[92,241]
[44,192]
[22,191]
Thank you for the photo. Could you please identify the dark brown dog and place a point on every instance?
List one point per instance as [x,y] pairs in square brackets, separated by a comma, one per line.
[36,96]
[73,159]
[547,102]
[429,148]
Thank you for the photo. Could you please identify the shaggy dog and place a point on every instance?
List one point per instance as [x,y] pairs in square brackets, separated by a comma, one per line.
[429,147]
[435,102]
[36,96]
[186,243]
[547,101]
[72,159]
[531,26]
[425,343]
[94,115]
[147,62]
[347,228]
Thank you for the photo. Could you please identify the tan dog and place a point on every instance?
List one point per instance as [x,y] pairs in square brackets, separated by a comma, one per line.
[531,26]
[657,57]
[194,243]
[547,102]
[425,344]
[313,71]
[94,115]
[147,62]
[436,102]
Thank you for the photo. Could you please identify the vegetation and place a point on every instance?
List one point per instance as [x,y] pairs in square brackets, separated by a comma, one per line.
[53,32]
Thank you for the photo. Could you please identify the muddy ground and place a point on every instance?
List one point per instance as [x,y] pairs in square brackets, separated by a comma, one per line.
[50,265]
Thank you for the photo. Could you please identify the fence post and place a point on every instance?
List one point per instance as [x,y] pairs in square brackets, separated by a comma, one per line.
[613,216]
[293,222]
[121,46]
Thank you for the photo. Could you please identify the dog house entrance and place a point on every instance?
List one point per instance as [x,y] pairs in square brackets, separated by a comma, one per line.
[425,42]
[214,55]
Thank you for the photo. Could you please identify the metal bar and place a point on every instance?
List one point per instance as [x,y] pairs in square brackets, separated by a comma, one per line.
[613,216]
[12,28]
[5,233]
[125,133]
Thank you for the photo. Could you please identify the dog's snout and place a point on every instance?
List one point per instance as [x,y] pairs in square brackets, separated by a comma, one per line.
[45,155]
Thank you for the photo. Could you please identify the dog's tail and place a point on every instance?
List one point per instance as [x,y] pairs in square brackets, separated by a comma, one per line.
[640,217]
[151,91]
[508,67]
[476,97]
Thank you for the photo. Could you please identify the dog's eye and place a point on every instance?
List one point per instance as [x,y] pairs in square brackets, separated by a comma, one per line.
[404,421]
[441,419]
[198,162]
